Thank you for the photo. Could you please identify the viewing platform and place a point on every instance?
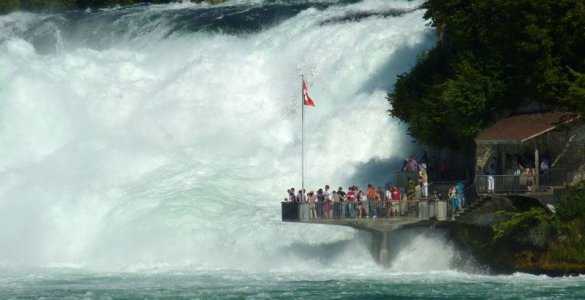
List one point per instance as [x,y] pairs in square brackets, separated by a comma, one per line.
[419,213]
[371,224]
[521,161]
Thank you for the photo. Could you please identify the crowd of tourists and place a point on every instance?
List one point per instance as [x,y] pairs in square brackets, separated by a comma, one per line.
[354,202]
[372,202]
[520,166]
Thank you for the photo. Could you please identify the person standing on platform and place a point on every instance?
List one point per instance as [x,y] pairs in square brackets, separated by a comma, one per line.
[327,207]
[320,201]
[395,201]
[381,201]
[491,171]
[342,198]
[336,205]
[388,200]
[454,199]
[312,200]
[350,198]
[304,211]
[291,195]
[372,200]
[424,182]
[529,178]
[328,192]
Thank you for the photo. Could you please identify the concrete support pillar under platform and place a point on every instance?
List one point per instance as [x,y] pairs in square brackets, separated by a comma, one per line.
[380,249]
[379,228]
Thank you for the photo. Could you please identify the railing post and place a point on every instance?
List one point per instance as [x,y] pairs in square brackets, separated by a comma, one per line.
[536,168]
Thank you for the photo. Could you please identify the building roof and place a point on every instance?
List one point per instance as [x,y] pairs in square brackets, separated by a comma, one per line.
[521,128]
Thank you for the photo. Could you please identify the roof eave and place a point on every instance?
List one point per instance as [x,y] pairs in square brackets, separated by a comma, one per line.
[491,142]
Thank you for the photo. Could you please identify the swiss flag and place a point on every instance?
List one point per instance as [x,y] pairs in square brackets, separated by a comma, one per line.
[306,99]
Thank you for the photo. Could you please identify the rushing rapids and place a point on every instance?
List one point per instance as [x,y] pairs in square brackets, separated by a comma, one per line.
[165,135]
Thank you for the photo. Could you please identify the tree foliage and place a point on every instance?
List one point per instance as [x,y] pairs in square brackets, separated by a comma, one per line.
[572,206]
[564,231]
[492,57]
[570,226]
[519,223]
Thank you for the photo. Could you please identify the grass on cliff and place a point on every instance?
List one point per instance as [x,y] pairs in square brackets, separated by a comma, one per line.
[560,236]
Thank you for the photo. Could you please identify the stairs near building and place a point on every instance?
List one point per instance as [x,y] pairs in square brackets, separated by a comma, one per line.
[483,155]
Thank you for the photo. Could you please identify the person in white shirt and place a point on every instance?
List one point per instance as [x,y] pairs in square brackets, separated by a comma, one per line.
[424,182]
[329,192]
[388,199]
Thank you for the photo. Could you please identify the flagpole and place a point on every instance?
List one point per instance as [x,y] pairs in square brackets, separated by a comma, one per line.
[302,139]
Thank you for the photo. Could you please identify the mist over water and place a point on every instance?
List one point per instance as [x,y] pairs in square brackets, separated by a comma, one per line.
[164,136]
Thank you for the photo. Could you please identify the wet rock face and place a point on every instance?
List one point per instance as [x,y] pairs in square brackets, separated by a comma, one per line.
[534,249]
[486,213]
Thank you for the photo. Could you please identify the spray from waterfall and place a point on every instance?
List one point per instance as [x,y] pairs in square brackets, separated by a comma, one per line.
[165,135]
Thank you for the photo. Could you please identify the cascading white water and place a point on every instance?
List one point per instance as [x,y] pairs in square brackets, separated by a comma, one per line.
[126,142]
[421,250]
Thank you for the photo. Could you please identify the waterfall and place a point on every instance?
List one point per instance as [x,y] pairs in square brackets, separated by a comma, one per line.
[166,135]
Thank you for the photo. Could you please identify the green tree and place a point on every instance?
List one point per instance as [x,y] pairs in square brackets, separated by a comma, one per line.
[47,4]
[575,96]
[493,57]
[572,206]
[9,5]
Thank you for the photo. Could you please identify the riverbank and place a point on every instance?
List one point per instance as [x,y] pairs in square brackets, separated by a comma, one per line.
[510,235]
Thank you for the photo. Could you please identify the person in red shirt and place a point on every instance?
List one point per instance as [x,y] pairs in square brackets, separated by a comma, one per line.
[350,197]
[395,194]
[372,201]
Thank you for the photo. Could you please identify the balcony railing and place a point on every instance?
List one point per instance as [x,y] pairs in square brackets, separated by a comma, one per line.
[423,210]
[523,183]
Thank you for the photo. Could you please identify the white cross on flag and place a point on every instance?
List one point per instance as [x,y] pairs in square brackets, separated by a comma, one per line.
[306,99]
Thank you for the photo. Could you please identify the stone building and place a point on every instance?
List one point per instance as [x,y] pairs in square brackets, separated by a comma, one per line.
[552,144]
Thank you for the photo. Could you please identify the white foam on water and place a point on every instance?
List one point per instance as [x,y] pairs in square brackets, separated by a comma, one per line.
[157,150]
[423,253]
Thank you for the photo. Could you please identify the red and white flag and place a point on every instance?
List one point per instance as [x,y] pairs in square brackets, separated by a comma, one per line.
[306,99]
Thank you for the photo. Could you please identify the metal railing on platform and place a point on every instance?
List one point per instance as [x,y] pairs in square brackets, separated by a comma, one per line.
[422,209]
[521,183]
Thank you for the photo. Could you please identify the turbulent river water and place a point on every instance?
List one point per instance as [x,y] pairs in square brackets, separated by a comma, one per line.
[144,151]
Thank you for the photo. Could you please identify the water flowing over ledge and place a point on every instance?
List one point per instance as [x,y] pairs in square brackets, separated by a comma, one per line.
[152,136]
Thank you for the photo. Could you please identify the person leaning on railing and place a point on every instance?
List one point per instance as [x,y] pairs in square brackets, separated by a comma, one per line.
[381,201]
[291,195]
[327,204]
